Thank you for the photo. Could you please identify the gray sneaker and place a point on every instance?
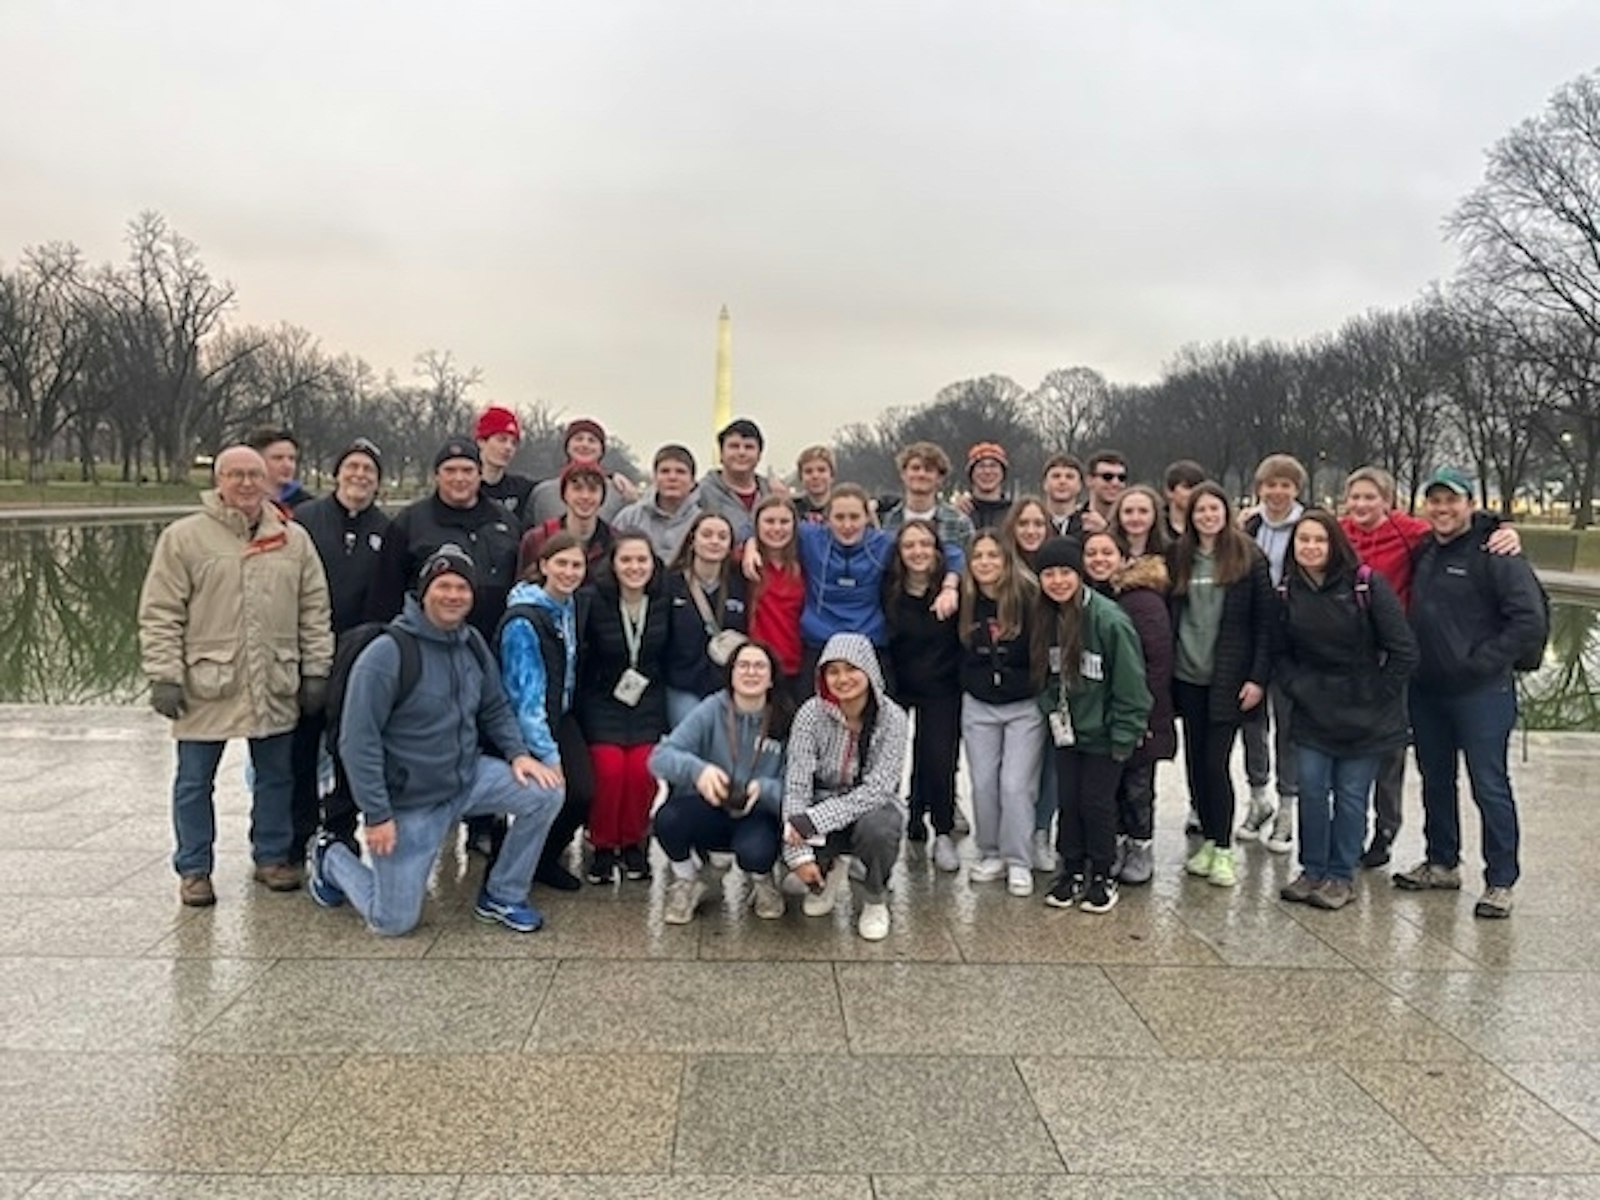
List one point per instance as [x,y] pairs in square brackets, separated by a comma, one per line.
[765,897]
[1140,863]
[1299,892]
[1333,894]
[945,855]
[1281,839]
[1259,814]
[683,897]
[1495,904]
[1426,875]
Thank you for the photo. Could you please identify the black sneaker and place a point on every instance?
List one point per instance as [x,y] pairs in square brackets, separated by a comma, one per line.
[1066,891]
[556,877]
[635,862]
[484,835]
[1377,854]
[1101,896]
[603,867]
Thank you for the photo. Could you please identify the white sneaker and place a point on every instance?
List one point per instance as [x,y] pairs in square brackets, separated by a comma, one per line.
[1259,813]
[683,897]
[1281,839]
[1019,881]
[765,897]
[986,870]
[1044,851]
[820,904]
[874,923]
[945,855]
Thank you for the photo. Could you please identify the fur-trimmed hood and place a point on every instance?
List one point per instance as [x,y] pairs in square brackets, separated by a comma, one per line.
[1148,571]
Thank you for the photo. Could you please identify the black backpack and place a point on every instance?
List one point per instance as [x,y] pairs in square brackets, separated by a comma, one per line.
[1532,657]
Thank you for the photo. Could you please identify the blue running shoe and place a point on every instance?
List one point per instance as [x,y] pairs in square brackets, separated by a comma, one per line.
[524,918]
[319,885]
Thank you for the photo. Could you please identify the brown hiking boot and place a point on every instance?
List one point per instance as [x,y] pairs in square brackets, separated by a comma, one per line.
[195,891]
[279,877]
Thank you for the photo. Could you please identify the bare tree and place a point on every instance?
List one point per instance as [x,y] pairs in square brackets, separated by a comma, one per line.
[44,345]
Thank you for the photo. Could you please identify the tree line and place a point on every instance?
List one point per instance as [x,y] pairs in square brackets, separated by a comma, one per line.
[135,364]
[1496,370]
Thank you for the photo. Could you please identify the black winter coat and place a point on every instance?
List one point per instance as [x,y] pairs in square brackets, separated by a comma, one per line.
[925,652]
[1474,613]
[998,672]
[1243,652]
[1141,589]
[605,720]
[689,668]
[485,531]
[1343,655]
[350,545]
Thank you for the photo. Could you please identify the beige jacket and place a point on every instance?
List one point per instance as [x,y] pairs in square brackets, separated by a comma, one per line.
[236,620]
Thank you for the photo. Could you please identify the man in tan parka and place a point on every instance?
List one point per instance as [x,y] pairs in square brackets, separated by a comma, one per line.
[236,639]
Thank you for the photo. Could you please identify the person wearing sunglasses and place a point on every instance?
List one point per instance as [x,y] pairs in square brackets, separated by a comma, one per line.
[1108,475]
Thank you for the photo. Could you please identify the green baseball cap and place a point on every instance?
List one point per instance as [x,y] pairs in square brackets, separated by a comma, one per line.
[1448,477]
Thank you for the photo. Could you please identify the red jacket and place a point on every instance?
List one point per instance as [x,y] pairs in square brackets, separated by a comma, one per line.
[775,614]
[1387,548]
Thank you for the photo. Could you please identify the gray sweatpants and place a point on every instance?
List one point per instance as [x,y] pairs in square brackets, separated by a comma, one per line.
[1257,765]
[1005,752]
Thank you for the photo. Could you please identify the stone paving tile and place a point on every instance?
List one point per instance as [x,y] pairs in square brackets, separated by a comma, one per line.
[1451,1187]
[1275,1013]
[114,1004]
[1146,933]
[1080,1187]
[1475,1119]
[867,1115]
[1571,1088]
[1375,937]
[13,1185]
[989,1009]
[1170,1119]
[152,832]
[1527,942]
[288,925]
[122,927]
[572,929]
[244,1187]
[131,1112]
[41,829]
[666,1187]
[390,1006]
[501,1112]
[68,873]
[1510,1015]
[1259,933]
[914,936]
[691,1007]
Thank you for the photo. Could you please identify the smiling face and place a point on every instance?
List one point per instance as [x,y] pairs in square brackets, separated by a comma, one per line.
[775,527]
[1209,515]
[816,477]
[987,477]
[674,480]
[847,682]
[583,446]
[847,518]
[447,601]
[633,562]
[1031,527]
[1136,516]
[987,562]
[1060,584]
[1063,485]
[458,480]
[1101,557]
[919,553]
[1106,481]
[1278,495]
[1448,512]
[241,478]
[920,478]
[740,455]
[1311,547]
[1364,504]
[583,495]
[356,482]
[752,673]
[713,538]
[563,572]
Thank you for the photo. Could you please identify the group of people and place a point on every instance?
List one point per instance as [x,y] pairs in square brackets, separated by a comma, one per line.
[737,668]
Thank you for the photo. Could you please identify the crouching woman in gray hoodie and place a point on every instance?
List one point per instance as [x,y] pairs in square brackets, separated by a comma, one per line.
[724,765]
[841,794]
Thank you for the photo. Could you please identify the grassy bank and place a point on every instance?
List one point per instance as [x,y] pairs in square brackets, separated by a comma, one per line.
[14,494]
[1561,549]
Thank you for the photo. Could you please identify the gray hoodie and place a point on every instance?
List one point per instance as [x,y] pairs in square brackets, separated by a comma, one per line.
[665,530]
[716,495]
[423,750]
[825,779]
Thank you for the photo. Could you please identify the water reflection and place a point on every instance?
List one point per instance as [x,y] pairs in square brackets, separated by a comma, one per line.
[69,633]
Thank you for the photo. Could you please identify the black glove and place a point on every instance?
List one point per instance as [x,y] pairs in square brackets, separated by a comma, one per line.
[167,699]
[313,695]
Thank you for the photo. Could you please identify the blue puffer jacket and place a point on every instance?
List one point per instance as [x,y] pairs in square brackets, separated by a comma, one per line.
[529,648]
[423,750]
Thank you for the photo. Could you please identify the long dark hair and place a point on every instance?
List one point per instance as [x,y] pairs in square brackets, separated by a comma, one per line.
[1342,557]
[1059,625]
[779,713]
[894,576]
[606,575]
[1232,556]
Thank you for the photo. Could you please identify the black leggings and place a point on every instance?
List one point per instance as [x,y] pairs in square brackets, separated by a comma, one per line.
[1086,807]
[1207,749]
[933,762]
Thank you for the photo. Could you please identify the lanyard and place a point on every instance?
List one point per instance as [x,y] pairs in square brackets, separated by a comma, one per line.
[633,631]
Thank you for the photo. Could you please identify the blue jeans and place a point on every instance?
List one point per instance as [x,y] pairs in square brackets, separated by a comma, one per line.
[389,890]
[1476,724]
[1333,811]
[194,816]
[679,705]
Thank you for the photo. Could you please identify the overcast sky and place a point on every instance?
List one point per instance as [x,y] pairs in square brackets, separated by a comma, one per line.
[889,197]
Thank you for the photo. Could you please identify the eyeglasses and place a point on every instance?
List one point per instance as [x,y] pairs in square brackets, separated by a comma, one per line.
[752,666]
[1111,476]
[241,476]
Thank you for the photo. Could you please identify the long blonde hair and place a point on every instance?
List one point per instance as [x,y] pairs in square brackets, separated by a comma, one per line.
[1013,593]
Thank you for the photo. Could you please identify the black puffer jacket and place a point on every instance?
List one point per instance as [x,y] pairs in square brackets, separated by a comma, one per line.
[485,531]
[350,545]
[1243,652]
[1343,655]
[606,720]
[924,651]
[689,668]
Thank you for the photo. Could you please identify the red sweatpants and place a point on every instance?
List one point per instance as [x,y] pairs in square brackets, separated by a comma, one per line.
[623,790]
